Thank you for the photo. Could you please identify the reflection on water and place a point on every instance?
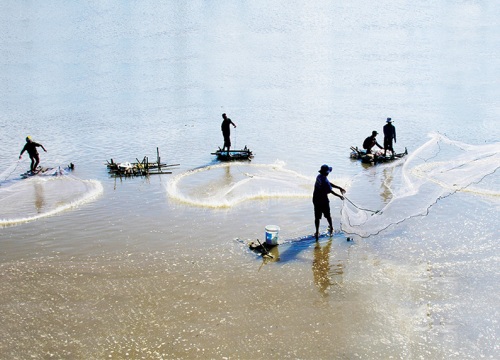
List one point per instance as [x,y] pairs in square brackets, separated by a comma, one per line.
[95,80]
[321,266]
[273,255]
[229,177]
[327,269]
[39,197]
[385,187]
[326,274]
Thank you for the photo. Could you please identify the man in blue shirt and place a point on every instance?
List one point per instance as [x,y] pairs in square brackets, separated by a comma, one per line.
[322,188]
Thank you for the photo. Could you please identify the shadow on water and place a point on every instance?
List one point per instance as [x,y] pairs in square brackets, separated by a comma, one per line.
[329,257]
[291,249]
[287,251]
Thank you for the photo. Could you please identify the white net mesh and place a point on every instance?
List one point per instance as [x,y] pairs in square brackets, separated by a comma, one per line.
[436,170]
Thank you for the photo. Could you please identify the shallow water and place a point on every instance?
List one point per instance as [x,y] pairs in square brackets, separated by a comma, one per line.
[158,267]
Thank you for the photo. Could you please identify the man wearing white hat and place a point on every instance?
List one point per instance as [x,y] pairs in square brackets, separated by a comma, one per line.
[389,134]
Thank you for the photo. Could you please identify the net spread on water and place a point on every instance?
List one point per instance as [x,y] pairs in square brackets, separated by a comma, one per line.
[408,187]
[54,191]
[228,184]
[437,169]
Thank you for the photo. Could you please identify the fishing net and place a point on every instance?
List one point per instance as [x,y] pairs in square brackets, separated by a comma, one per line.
[25,200]
[228,184]
[410,187]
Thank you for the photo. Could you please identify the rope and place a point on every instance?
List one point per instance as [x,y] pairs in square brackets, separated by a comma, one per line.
[17,164]
[360,208]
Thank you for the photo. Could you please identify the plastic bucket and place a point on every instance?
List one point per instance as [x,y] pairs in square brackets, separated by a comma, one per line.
[272,232]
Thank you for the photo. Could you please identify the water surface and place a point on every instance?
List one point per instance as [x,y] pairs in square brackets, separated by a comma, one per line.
[158,267]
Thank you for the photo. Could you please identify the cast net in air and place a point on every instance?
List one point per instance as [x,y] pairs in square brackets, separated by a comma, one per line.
[409,188]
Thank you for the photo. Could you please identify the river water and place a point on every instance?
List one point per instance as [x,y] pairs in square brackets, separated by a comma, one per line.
[99,267]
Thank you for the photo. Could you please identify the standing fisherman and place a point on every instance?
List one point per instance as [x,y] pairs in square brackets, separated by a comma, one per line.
[389,134]
[322,188]
[30,147]
[226,132]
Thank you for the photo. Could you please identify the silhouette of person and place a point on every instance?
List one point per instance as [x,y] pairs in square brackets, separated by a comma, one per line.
[389,135]
[322,188]
[30,147]
[226,132]
[370,142]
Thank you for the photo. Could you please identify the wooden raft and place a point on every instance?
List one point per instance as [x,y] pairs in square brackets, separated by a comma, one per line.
[140,168]
[375,158]
[224,155]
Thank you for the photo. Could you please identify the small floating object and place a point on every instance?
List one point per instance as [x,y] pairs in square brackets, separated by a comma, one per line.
[124,167]
[257,246]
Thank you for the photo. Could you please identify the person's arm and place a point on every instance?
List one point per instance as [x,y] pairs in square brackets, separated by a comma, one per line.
[394,134]
[341,190]
[39,145]
[338,187]
[376,143]
[233,123]
[337,195]
[22,152]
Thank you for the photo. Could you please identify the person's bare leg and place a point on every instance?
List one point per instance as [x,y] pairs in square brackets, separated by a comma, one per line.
[316,224]
[329,219]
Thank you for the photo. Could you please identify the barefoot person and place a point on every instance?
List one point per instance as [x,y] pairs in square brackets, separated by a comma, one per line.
[226,132]
[30,147]
[322,188]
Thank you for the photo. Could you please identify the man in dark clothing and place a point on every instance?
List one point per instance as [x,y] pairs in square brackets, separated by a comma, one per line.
[226,132]
[322,188]
[30,147]
[370,142]
[389,134]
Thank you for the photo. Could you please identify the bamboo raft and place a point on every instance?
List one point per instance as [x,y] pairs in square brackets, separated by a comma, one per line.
[375,158]
[139,168]
[231,155]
